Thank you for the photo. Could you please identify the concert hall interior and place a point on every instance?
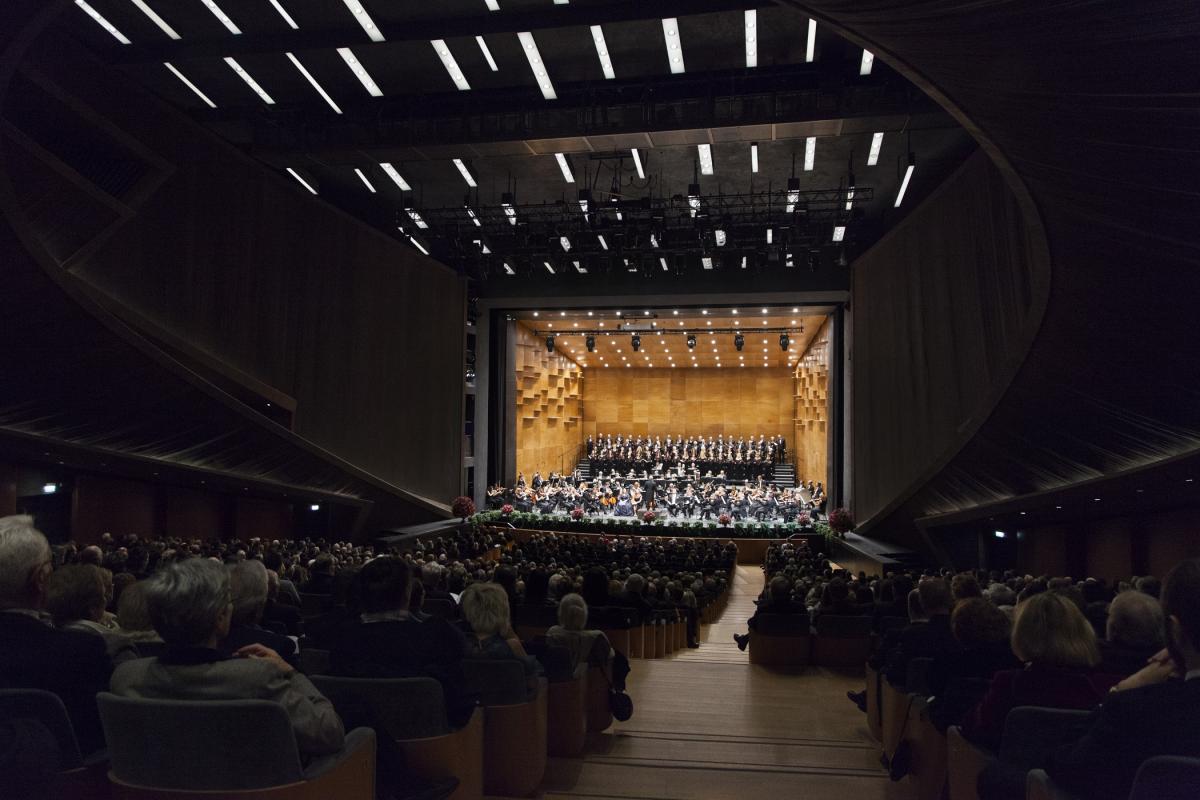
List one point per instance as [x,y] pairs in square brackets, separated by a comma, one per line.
[599,399]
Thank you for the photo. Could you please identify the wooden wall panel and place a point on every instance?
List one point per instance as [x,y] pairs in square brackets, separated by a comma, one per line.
[812,410]
[111,505]
[197,514]
[549,388]
[689,402]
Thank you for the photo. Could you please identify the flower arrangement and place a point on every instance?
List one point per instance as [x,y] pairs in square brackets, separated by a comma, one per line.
[506,509]
[648,517]
[462,507]
[803,520]
[841,521]
[724,519]
[577,513]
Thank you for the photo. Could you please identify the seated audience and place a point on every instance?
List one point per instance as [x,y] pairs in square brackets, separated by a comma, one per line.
[190,603]
[485,608]
[277,614]
[133,617]
[955,679]
[34,654]
[76,601]
[1058,647]
[1153,719]
[248,588]
[930,639]
[1133,633]
[777,600]
[585,646]
[320,579]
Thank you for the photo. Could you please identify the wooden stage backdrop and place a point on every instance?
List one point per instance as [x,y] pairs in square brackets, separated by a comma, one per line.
[549,407]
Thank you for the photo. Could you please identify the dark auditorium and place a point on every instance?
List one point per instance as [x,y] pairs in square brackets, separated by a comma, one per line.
[599,400]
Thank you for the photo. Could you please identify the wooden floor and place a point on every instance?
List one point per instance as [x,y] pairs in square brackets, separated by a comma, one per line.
[707,724]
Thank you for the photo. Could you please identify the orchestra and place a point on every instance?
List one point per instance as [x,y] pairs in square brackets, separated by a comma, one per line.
[740,459]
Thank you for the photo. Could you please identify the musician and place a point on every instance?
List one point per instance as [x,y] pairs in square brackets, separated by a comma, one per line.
[537,481]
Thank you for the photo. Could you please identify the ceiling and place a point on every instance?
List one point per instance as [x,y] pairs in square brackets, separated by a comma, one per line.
[663,335]
[507,133]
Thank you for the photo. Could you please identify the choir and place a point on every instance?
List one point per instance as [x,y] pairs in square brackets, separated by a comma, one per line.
[743,459]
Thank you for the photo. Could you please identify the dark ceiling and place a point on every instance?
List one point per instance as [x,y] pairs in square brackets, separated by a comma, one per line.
[507,133]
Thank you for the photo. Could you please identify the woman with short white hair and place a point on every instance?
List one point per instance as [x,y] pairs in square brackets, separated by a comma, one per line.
[485,607]
[586,647]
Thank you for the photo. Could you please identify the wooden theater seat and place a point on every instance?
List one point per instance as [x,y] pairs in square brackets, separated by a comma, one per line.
[781,640]
[842,641]
[515,725]
[79,778]
[566,715]
[874,705]
[599,715]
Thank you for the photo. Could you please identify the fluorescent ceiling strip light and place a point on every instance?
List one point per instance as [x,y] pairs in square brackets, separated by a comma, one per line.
[653,240]
[580,268]
[102,22]
[283,13]
[876,146]
[487,54]
[561,2]
[222,16]
[637,162]
[417,245]
[189,84]
[303,182]
[364,19]
[751,38]
[754,158]
[662,260]
[511,213]
[744,260]
[603,244]
[719,234]
[493,5]
[630,268]
[904,185]
[674,45]
[474,217]
[839,233]
[602,52]
[253,84]
[360,72]
[565,167]
[456,74]
[810,153]
[365,180]
[770,235]
[849,198]
[156,19]
[535,63]
[810,50]
[549,268]
[706,261]
[868,60]
[313,82]
[417,218]
[508,269]
[706,164]
[566,243]
[395,176]
[466,173]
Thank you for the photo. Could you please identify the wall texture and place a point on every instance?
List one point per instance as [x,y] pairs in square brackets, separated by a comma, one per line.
[812,409]
[689,402]
[549,407]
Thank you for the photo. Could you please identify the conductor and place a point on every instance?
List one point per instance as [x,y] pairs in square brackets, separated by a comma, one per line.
[648,490]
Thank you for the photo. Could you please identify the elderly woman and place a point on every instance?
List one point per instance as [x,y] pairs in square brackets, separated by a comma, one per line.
[589,647]
[191,606]
[133,617]
[485,608]
[75,598]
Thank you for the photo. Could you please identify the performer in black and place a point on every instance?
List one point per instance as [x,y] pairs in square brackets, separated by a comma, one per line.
[648,491]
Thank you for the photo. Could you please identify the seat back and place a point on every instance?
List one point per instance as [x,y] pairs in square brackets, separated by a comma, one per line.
[1032,731]
[215,745]
[1167,778]
[612,617]
[48,709]
[314,605]
[314,661]
[887,624]
[497,681]
[404,708]
[843,627]
[441,607]
[914,681]
[781,625]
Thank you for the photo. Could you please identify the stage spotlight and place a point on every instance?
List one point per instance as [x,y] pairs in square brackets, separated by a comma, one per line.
[691,341]
[591,344]
[549,344]
[784,341]
[636,341]
[739,341]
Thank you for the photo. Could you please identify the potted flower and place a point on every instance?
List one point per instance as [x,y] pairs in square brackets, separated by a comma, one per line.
[841,521]
[577,513]
[648,517]
[804,520]
[724,519]
[462,507]
[506,510]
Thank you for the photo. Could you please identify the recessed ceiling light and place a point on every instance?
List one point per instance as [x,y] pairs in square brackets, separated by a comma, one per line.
[751,38]
[770,235]
[189,84]
[160,22]
[493,5]
[303,182]
[291,23]
[365,180]
[674,45]
[253,84]
[363,18]
[417,218]
[562,313]
[360,72]
[549,269]
[810,48]
[602,52]
[637,162]
[564,164]
[487,54]
[448,61]
[104,23]
[839,233]
[876,146]
[868,60]
[706,162]
[395,176]
[508,269]
[529,46]
[313,82]
[706,262]
[810,153]
[663,261]
[222,16]
[907,177]
[466,173]
[753,155]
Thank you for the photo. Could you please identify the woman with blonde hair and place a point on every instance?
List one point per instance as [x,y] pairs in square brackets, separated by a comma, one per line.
[1057,644]
[589,647]
[485,608]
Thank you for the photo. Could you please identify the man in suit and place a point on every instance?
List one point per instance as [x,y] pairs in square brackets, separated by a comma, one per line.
[649,488]
[191,606]
[1151,714]
[35,655]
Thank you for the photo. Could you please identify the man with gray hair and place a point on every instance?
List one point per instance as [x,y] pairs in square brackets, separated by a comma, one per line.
[34,654]
[249,586]
[191,606]
[1133,633]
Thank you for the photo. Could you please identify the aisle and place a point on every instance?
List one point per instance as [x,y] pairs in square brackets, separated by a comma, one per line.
[708,725]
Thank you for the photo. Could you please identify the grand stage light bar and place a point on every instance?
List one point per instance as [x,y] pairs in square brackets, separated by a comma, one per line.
[189,84]
[868,60]
[253,84]
[674,45]
[487,54]
[565,166]
[529,46]
[364,19]
[810,153]
[313,82]
[283,13]
[156,19]
[706,162]
[360,72]
[448,61]
[391,172]
[751,38]
[303,182]
[366,181]
[602,52]
[810,48]
[103,23]
[876,146]
[637,162]
[222,16]
[466,173]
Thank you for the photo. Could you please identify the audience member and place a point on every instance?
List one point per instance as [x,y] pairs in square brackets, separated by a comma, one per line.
[248,587]
[1133,633]
[485,608]
[930,639]
[589,647]
[76,602]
